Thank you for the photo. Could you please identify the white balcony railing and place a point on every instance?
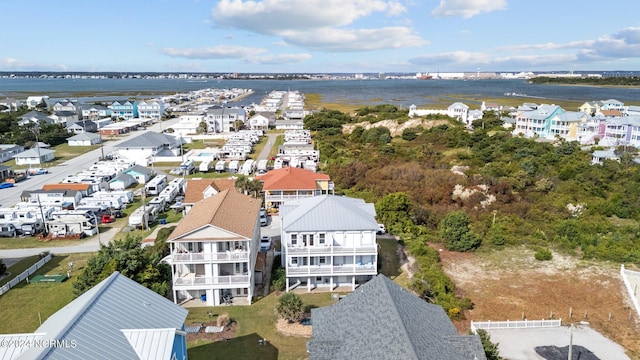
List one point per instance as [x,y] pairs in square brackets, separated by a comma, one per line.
[330,250]
[211,280]
[188,258]
[330,270]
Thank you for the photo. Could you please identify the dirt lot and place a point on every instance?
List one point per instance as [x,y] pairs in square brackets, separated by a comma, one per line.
[511,284]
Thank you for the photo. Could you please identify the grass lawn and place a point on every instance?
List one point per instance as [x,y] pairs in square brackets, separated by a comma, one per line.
[17,268]
[20,307]
[30,242]
[254,322]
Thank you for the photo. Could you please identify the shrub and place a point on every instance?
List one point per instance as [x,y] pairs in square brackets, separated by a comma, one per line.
[290,307]
[543,254]
[3,267]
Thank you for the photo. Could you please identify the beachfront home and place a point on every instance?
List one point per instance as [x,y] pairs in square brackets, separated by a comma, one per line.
[34,117]
[213,250]
[187,125]
[151,109]
[66,105]
[64,117]
[84,139]
[259,122]
[382,320]
[78,127]
[38,101]
[142,174]
[124,109]
[95,112]
[224,119]
[290,183]
[116,319]
[328,241]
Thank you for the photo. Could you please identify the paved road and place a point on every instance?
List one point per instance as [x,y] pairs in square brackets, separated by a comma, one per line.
[9,197]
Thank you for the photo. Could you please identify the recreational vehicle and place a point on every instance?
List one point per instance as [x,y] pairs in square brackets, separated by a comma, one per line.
[169,193]
[221,166]
[188,167]
[142,216]
[205,166]
[248,167]
[156,185]
[234,165]
[261,167]
[159,203]
[72,225]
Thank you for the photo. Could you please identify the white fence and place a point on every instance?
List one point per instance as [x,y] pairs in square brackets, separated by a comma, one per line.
[635,278]
[15,281]
[517,324]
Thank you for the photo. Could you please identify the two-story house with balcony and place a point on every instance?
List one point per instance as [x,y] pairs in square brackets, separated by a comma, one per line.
[197,190]
[223,119]
[213,250]
[291,183]
[622,131]
[95,112]
[536,121]
[125,109]
[150,109]
[328,241]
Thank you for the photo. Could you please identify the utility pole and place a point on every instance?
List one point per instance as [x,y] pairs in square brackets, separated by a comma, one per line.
[44,223]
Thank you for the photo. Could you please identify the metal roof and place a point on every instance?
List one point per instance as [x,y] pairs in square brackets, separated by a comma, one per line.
[148,140]
[95,321]
[151,344]
[328,212]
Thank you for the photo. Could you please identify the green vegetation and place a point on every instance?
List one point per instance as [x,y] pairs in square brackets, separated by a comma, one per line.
[25,304]
[254,322]
[17,268]
[132,261]
[290,307]
[543,254]
[593,81]
[515,191]
[490,349]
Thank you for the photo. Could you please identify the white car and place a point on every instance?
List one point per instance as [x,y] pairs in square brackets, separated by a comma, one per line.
[381,229]
[265,243]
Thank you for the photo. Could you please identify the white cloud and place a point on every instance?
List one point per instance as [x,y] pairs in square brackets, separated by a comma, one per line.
[274,16]
[10,64]
[468,8]
[279,59]
[318,24]
[338,40]
[214,52]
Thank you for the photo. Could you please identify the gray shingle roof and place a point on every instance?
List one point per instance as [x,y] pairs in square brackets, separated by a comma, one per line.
[95,320]
[139,169]
[382,320]
[84,136]
[328,212]
[148,140]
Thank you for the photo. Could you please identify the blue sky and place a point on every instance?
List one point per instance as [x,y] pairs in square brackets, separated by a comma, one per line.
[315,36]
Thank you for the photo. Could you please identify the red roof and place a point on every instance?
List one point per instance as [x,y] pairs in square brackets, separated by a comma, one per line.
[77,187]
[291,178]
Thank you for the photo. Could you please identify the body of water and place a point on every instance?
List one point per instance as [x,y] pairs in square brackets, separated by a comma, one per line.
[403,92]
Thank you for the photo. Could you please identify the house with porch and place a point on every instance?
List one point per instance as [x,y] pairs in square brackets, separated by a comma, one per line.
[213,250]
[151,109]
[383,320]
[125,109]
[292,183]
[78,127]
[259,122]
[116,319]
[223,119]
[95,112]
[328,241]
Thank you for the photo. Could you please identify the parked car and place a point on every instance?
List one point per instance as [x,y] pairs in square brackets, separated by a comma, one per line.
[37,171]
[263,217]
[265,243]
[6,185]
[381,229]
[107,219]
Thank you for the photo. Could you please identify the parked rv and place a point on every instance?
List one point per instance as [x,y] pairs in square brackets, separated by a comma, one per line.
[142,216]
[248,167]
[156,185]
[159,203]
[205,166]
[221,166]
[234,165]
[261,167]
[71,226]
[169,193]
[188,167]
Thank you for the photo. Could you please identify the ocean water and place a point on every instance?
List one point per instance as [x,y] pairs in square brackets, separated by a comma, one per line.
[402,92]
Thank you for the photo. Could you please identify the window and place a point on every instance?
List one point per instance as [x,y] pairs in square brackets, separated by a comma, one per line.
[322,260]
[321,239]
[294,239]
[294,261]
